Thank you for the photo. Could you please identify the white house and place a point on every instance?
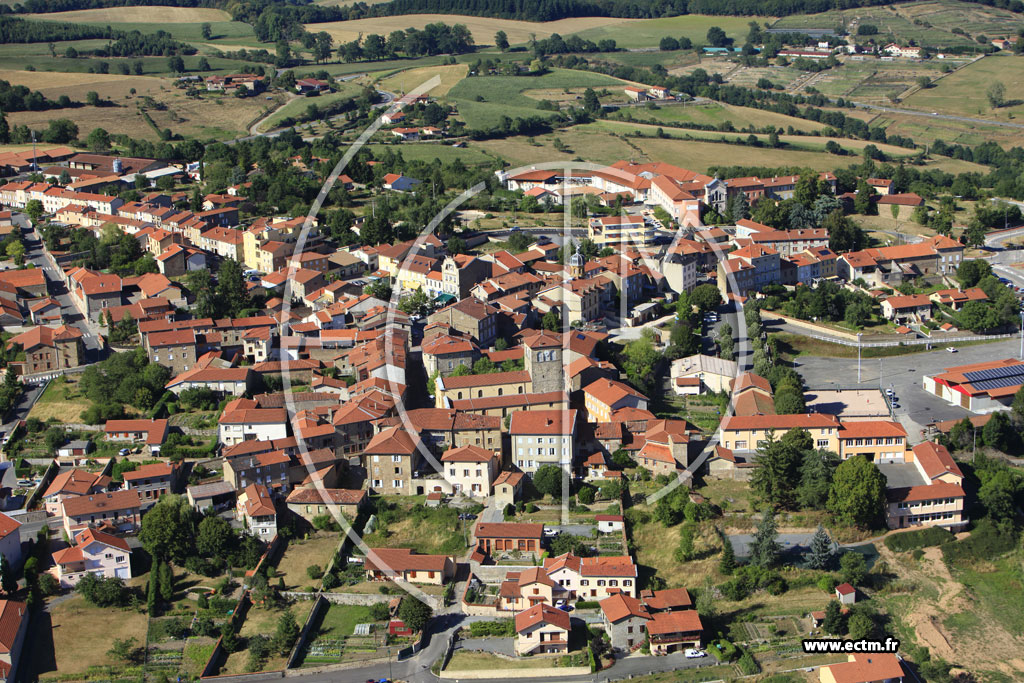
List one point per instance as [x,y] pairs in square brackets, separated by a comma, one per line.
[93,552]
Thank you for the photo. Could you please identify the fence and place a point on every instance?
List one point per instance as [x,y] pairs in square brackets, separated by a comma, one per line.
[912,342]
[364,599]
[214,662]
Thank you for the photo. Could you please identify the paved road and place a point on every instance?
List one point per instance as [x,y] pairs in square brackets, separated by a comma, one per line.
[904,374]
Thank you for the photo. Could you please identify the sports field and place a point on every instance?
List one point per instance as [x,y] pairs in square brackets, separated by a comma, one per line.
[963,92]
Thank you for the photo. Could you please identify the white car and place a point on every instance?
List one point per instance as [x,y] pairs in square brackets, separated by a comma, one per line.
[951,349]
[550,533]
[692,653]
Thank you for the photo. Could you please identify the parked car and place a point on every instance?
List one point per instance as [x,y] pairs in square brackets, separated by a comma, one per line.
[951,349]
[124,452]
[692,653]
[550,533]
[467,515]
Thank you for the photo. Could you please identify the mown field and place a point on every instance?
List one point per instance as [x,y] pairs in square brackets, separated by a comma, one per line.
[963,92]
[714,114]
[633,33]
[406,81]
[142,14]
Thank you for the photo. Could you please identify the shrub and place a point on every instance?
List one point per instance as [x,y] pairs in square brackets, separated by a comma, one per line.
[531,508]
[379,611]
[917,554]
[587,604]
[723,650]
[501,628]
[827,583]
[748,665]
[331,581]
[919,538]
[987,541]
[314,571]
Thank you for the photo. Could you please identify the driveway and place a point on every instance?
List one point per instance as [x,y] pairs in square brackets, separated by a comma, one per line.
[583,530]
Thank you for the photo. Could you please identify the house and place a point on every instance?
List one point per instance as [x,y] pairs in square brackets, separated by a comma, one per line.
[93,552]
[173,349]
[217,495]
[636,94]
[956,298]
[625,621]
[543,437]
[10,541]
[153,481]
[508,488]
[70,483]
[385,564]
[119,509]
[542,629]
[507,537]
[593,578]
[50,348]
[603,397]
[444,353]
[14,617]
[391,459]
[864,668]
[150,432]
[75,449]
[607,524]
[268,468]
[471,470]
[449,390]
[400,183]
[404,134]
[255,508]
[243,421]
[674,631]
[305,86]
[309,503]
[912,306]
[221,381]
[473,318]
[846,594]
[713,373]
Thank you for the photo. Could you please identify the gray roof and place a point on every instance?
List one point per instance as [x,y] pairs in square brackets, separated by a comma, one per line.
[217,488]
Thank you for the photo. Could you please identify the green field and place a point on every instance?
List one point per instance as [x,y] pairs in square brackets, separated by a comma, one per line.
[648,32]
[714,114]
[430,151]
[483,100]
[37,55]
[963,92]
[299,105]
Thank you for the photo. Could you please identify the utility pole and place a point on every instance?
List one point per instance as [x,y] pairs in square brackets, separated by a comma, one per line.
[859,347]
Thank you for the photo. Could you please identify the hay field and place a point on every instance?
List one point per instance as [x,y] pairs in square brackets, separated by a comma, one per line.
[963,92]
[482,28]
[405,81]
[715,114]
[649,32]
[76,85]
[142,14]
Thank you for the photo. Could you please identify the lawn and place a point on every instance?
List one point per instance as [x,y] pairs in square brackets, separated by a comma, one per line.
[430,151]
[74,651]
[301,553]
[999,591]
[963,92]
[464,660]
[483,100]
[299,105]
[61,401]
[425,530]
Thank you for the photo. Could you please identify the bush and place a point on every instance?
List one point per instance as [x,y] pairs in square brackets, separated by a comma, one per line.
[827,583]
[531,508]
[379,611]
[500,628]
[748,665]
[986,542]
[314,571]
[587,604]
[723,650]
[919,538]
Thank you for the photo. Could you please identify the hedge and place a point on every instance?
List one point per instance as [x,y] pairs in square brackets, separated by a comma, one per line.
[985,543]
[588,604]
[723,650]
[919,538]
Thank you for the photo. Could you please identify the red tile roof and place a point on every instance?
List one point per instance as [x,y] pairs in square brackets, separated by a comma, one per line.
[667,623]
[508,530]
[403,559]
[542,613]
[533,422]
[620,606]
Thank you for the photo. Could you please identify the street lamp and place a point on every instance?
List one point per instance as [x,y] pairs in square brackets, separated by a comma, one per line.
[858,351]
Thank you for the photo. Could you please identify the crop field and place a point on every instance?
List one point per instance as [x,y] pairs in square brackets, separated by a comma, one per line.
[482,28]
[153,16]
[37,55]
[971,17]
[873,79]
[632,33]
[405,81]
[963,92]
[670,60]
[714,114]
[925,130]
[434,150]
[76,85]
[483,100]
[779,75]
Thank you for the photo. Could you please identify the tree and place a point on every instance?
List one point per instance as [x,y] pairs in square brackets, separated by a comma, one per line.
[548,480]
[501,41]
[668,43]
[92,98]
[206,31]
[16,251]
[816,472]
[165,581]
[176,64]
[413,613]
[765,549]
[972,271]
[996,94]
[125,650]
[551,320]
[639,359]
[214,538]
[821,550]
[857,496]
[591,102]
[232,294]
[287,632]
[852,568]
[862,202]
[998,433]
[98,140]
[34,209]
[727,563]
[706,297]
[204,64]
[833,621]
[716,37]
[168,529]
[860,626]
[8,582]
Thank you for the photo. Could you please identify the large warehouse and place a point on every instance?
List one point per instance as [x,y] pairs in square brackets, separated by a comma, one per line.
[978,387]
